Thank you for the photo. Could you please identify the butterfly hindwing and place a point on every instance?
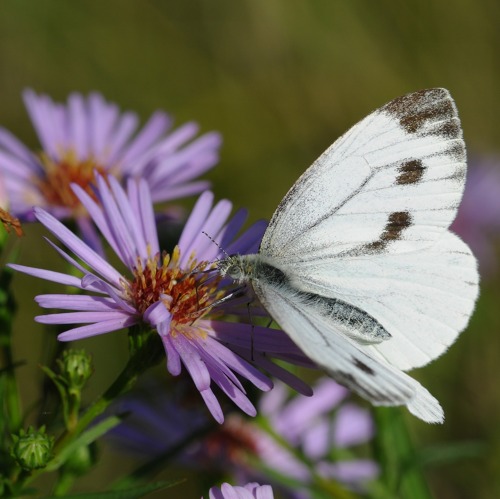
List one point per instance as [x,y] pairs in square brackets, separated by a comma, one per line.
[319,338]
[423,298]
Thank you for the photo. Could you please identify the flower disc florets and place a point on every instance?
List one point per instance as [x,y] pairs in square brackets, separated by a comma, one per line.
[182,291]
[55,185]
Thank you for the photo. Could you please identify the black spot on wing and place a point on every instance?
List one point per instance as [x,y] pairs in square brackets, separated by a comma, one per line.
[393,230]
[363,366]
[419,111]
[410,172]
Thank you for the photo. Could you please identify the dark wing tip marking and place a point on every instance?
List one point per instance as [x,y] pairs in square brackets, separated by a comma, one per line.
[457,152]
[418,110]
[410,172]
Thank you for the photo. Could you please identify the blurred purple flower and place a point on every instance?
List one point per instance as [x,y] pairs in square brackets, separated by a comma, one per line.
[165,292]
[478,219]
[321,428]
[248,491]
[88,135]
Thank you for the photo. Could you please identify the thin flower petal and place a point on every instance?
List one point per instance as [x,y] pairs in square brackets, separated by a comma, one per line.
[125,127]
[191,359]
[353,426]
[174,364]
[236,395]
[212,404]
[195,222]
[82,317]
[79,333]
[78,125]
[76,302]
[48,275]
[90,281]
[90,257]
[16,148]
[152,131]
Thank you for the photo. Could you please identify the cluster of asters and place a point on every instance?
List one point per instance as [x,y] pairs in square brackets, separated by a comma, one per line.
[93,184]
[96,169]
[302,438]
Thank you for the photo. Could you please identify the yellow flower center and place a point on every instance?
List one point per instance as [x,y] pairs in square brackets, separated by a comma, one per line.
[55,186]
[189,298]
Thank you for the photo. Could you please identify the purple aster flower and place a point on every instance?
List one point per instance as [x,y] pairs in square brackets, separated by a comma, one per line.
[248,491]
[478,219]
[88,135]
[168,293]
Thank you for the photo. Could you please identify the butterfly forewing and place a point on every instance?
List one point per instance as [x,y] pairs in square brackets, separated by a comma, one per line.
[398,175]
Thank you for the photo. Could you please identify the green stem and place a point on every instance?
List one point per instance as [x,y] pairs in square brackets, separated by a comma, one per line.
[12,413]
[397,456]
[74,399]
[146,356]
[64,484]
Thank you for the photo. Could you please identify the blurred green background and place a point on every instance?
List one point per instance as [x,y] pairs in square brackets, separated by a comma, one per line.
[281,80]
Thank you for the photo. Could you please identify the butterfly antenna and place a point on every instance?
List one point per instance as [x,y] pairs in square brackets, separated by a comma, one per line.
[216,244]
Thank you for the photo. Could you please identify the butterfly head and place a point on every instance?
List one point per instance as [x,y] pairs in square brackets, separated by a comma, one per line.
[237,267]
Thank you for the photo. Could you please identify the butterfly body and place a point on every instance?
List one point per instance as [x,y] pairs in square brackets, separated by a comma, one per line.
[357,264]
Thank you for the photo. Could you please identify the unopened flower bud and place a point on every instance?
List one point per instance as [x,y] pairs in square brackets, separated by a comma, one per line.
[32,449]
[76,368]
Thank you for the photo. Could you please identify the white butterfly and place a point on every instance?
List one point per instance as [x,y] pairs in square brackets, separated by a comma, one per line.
[357,264]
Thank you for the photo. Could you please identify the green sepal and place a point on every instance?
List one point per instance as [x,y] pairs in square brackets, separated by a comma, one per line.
[32,449]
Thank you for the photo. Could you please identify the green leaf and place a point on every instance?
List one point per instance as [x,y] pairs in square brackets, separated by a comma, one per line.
[452,452]
[129,493]
[85,438]
[397,456]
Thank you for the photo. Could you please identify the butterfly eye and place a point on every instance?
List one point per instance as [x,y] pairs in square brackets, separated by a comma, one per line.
[235,271]
[230,267]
